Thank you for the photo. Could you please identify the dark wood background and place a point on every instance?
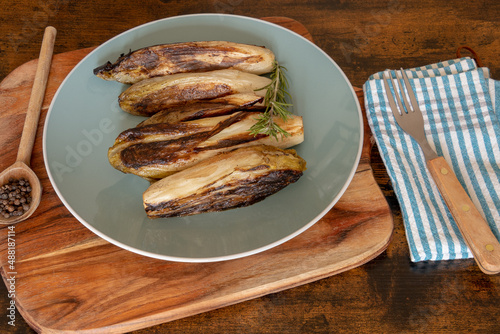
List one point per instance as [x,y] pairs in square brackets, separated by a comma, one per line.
[387,295]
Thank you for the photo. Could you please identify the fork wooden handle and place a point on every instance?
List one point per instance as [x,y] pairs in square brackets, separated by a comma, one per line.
[475,230]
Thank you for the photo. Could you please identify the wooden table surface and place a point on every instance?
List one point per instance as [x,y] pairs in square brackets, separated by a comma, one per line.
[387,295]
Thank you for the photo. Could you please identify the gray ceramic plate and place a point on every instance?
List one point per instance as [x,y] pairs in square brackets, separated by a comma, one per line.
[84,119]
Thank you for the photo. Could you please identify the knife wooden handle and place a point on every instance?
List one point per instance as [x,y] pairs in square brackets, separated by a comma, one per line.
[474,228]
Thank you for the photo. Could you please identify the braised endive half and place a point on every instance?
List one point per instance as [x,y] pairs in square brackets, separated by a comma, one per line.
[236,178]
[201,56]
[149,96]
[157,150]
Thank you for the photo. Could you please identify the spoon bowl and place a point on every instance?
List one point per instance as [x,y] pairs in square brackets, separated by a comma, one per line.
[17,171]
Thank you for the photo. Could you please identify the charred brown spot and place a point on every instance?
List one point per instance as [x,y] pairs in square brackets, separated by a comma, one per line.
[208,112]
[133,134]
[234,141]
[201,92]
[146,60]
[260,167]
[103,68]
[144,154]
[108,67]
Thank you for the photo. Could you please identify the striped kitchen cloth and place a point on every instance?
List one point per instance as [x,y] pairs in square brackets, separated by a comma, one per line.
[461,109]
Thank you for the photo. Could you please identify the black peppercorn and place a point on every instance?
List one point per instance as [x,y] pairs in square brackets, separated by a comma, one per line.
[15,197]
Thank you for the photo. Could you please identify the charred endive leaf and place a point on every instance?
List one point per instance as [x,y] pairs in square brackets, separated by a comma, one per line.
[149,96]
[237,178]
[216,107]
[167,59]
[157,150]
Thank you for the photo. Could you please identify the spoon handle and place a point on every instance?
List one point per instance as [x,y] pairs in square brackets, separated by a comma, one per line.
[37,95]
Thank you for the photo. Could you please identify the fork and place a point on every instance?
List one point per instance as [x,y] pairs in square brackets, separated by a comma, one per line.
[475,230]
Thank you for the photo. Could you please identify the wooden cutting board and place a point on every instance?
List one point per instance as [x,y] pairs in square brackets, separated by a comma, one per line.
[69,279]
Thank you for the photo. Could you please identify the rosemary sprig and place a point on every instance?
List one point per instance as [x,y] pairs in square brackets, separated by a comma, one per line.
[276,105]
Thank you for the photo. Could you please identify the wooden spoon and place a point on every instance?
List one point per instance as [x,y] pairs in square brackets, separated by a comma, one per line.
[21,169]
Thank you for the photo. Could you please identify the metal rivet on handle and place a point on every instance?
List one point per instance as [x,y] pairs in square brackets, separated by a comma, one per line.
[465,207]
[489,248]
[444,171]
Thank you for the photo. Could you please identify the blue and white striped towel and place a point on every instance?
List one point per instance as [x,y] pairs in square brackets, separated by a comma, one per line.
[458,101]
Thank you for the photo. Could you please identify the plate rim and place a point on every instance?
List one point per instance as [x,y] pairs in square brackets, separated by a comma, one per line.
[213,258]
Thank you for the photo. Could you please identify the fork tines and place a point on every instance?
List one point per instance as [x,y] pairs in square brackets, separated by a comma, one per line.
[403,104]
[408,116]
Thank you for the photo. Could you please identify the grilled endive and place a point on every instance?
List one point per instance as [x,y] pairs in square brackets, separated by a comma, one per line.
[149,96]
[158,150]
[216,107]
[167,59]
[232,179]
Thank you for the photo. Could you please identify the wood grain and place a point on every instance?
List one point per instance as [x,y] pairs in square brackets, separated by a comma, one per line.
[71,280]
[386,295]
